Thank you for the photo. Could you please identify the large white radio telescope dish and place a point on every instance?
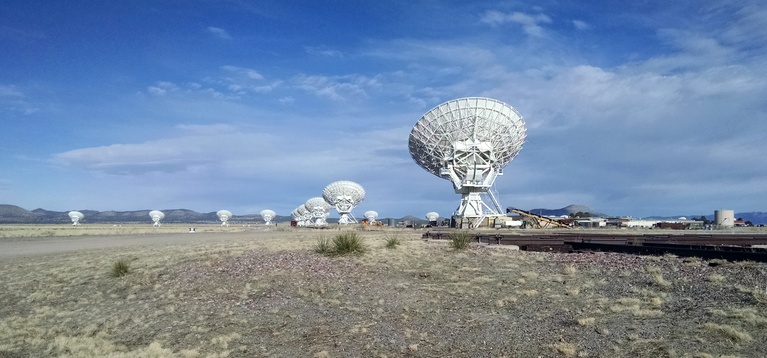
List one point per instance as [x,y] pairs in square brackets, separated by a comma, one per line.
[156,216]
[432,216]
[468,141]
[76,216]
[297,217]
[224,216]
[319,210]
[371,216]
[302,215]
[344,195]
[268,215]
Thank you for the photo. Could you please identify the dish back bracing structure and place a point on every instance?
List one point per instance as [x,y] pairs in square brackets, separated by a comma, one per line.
[224,216]
[344,195]
[156,216]
[302,215]
[319,210]
[268,215]
[468,141]
[76,216]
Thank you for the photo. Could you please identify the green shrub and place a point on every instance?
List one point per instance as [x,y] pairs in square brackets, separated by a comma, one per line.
[348,243]
[460,240]
[323,247]
[392,242]
[120,268]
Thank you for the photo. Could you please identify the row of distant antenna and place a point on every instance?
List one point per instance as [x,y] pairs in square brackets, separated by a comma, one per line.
[157,216]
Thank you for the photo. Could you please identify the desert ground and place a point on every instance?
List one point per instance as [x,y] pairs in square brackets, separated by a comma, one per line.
[266,292]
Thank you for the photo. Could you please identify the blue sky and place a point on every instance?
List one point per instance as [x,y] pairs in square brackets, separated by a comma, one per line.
[632,108]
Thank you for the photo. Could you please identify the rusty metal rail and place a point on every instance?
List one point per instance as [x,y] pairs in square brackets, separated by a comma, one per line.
[731,253]
[725,245]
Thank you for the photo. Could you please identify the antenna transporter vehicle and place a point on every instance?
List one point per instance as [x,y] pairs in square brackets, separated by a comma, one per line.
[468,141]
[344,195]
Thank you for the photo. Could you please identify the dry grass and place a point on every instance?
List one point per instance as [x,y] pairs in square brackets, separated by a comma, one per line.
[256,294]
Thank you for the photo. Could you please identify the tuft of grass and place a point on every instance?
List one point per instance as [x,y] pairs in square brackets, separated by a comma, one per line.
[460,240]
[392,242]
[715,277]
[120,268]
[323,247]
[570,270]
[348,243]
[342,244]
[731,333]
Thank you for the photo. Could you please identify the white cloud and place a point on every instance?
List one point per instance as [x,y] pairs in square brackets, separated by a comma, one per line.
[581,25]
[336,87]
[531,24]
[245,72]
[323,51]
[219,32]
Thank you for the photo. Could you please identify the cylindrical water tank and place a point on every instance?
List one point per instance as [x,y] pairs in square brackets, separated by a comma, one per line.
[724,218]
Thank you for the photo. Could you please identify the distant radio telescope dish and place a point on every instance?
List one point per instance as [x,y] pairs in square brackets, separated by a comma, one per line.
[344,195]
[267,215]
[371,216]
[432,216]
[224,216]
[319,210]
[296,217]
[468,141]
[76,216]
[156,216]
[302,215]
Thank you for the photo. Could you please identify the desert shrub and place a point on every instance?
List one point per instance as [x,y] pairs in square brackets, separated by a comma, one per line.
[120,268]
[460,240]
[323,247]
[348,243]
[392,242]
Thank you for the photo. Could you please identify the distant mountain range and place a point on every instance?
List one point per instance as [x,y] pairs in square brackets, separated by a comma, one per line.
[11,214]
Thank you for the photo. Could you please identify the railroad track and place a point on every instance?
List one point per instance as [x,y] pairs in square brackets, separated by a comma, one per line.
[708,246]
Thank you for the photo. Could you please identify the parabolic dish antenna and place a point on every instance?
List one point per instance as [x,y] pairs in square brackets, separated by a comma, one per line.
[432,216]
[297,217]
[76,216]
[224,216]
[303,215]
[344,195]
[468,141]
[156,216]
[267,215]
[319,210]
[371,216]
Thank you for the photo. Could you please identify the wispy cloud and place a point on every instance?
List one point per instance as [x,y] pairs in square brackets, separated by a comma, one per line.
[323,51]
[581,25]
[219,32]
[13,99]
[531,24]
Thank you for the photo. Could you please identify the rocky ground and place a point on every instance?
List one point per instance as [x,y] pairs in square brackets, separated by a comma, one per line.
[262,294]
